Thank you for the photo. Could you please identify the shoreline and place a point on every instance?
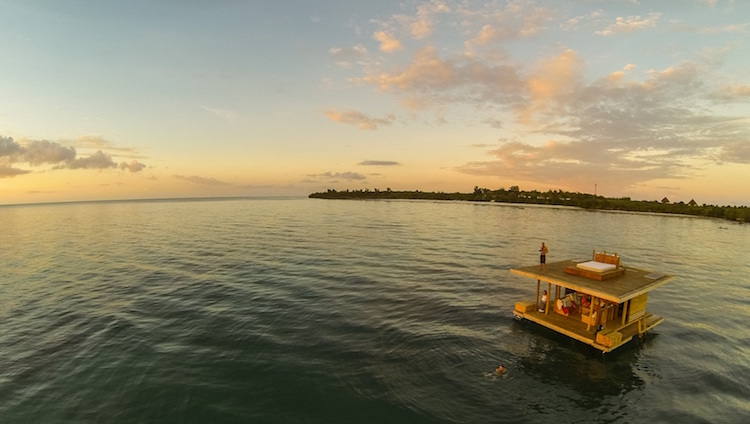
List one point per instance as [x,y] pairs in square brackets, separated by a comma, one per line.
[582,201]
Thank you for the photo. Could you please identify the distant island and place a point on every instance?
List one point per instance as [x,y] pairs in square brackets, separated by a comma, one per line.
[552,197]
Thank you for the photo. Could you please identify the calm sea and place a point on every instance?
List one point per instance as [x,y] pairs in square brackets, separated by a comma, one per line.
[319,311]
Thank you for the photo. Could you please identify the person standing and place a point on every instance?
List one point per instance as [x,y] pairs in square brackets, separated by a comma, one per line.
[543,257]
[543,305]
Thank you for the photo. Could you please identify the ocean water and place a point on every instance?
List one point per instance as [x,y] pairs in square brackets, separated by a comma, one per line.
[315,311]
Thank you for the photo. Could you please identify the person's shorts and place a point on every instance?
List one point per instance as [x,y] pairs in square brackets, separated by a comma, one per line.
[542,259]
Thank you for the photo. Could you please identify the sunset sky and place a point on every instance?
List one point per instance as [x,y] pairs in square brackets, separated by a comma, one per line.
[105,100]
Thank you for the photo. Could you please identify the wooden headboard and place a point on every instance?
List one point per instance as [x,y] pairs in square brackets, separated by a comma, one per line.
[607,258]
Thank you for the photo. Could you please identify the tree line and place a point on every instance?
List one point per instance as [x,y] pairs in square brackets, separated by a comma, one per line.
[551,197]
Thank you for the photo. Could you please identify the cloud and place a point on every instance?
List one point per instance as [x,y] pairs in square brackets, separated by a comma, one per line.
[349,176]
[514,20]
[35,152]
[572,163]
[624,132]
[40,152]
[630,24]
[224,113]
[738,152]
[596,18]
[347,56]
[388,43]
[7,171]
[378,163]
[8,147]
[99,160]
[132,166]
[426,70]
[91,141]
[437,76]
[629,124]
[422,24]
[509,24]
[493,122]
[734,93]
[485,36]
[556,80]
[724,29]
[201,180]
[358,119]
[430,80]
[44,152]
[99,143]
[421,28]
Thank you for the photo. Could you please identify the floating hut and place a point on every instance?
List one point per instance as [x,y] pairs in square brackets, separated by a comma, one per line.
[599,302]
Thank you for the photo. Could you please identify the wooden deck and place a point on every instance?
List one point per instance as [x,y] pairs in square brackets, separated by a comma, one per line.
[573,327]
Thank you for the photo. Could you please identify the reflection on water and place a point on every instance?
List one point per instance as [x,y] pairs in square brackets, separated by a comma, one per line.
[268,310]
[568,363]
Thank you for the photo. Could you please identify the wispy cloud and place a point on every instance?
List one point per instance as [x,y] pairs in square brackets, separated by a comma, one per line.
[358,119]
[734,93]
[224,113]
[331,176]
[740,28]
[204,181]
[736,151]
[630,24]
[493,122]
[348,56]
[99,143]
[378,163]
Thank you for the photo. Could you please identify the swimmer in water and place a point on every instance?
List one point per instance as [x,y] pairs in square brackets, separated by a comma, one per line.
[500,373]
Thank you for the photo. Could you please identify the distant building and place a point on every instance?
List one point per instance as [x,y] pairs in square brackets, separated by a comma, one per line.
[665,200]
[692,203]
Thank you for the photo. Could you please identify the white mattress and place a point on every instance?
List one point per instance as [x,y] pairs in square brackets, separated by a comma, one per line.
[595,266]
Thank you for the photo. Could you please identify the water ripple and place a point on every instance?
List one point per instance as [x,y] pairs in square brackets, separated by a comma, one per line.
[322,311]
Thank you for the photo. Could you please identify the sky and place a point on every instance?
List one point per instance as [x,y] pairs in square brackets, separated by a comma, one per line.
[108,100]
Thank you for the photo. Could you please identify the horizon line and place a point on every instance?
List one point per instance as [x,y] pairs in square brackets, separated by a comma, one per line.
[155,200]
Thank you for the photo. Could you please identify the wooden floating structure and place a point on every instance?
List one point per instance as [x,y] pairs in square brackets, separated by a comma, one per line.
[598,302]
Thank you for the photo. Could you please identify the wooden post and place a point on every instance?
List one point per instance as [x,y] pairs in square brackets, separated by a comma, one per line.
[641,328]
[625,311]
[549,294]
[536,304]
[594,301]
